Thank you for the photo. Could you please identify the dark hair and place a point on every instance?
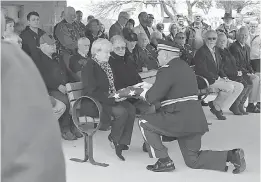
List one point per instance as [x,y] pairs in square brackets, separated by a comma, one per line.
[131,21]
[31,14]
[141,13]
[90,17]
[9,20]
[90,22]
[179,33]
[129,35]
[78,12]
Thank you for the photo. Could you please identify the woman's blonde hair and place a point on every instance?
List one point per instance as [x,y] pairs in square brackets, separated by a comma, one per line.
[99,45]
[171,25]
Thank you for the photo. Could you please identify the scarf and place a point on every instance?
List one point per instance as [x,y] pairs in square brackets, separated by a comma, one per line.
[107,69]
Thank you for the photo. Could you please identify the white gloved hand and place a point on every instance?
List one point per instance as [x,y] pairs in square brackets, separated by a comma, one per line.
[144,85]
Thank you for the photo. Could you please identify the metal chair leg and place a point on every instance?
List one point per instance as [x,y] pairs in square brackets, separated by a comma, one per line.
[86,157]
[90,153]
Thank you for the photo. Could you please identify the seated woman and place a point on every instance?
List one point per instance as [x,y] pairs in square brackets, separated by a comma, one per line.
[78,61]
[233,73]
[98,82]
[173,30]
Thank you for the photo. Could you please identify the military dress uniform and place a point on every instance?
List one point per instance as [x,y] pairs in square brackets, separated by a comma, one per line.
[179,114]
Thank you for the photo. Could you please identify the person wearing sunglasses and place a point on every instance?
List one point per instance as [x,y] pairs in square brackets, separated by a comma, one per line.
[186,51]
[208,64]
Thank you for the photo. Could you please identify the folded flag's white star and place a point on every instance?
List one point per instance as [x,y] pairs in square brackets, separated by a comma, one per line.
[132,93]
[116,95]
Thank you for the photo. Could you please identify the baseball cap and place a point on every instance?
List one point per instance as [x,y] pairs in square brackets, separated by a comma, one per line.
[129,35]
[47,38]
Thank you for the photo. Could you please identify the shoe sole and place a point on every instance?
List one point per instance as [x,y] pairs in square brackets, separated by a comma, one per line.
[242,167]
[216,116]
[163,170]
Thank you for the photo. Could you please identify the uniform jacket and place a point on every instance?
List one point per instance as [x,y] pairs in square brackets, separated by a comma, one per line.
[139,29]
[242,56]
[176,80]
[191,32]
[30,134]
[205,64]
[231,33]
[124,71]
[31,42]
[115,29]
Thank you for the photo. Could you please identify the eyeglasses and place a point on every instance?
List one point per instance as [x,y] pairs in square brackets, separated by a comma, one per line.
[120,48]
[212,38]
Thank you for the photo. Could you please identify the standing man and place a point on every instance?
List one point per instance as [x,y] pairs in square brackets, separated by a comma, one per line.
[78,25]
[181,26]
[143,26]
[228,28]
[241,51]
[67,37]
[117,27]
[31,36]
[150,21]
[195,31]
[31,143]
[172,119]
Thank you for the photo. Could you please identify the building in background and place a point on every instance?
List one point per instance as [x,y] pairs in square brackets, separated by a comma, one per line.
[49,11]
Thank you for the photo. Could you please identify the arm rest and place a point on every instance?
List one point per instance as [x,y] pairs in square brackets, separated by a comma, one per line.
[202,82]
[87,127]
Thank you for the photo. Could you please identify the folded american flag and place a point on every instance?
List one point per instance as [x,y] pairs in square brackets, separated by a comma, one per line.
[128,92]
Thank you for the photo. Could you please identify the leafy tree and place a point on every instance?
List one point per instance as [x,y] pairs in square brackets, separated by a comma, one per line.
[238,5]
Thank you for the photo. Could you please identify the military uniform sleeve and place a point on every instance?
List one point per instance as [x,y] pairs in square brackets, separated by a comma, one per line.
[161,86]
[63,36]
[31,141]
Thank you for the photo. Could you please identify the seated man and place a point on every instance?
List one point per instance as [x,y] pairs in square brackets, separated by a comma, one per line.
[208,64]
[234,73]
[54,73]
[78,60]
[241,51]
[181,116]
[185,49]
[143,58]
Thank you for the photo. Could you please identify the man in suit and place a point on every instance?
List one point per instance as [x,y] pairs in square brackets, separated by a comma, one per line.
[208,64]
[180,115]
[117,27]
[30,137]
[143,26]
[241,51]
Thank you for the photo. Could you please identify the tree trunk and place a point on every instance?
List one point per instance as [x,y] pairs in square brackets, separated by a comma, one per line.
[189,10]
[172,17]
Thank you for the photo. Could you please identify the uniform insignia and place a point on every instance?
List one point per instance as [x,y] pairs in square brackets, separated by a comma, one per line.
[165,66]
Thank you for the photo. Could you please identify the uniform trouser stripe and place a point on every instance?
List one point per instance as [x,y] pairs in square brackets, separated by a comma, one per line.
[152,151]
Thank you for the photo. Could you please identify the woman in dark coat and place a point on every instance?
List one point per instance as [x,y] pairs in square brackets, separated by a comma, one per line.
[98,82]
[234,73]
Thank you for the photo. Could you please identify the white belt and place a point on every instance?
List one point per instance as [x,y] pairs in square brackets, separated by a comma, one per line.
[182,99]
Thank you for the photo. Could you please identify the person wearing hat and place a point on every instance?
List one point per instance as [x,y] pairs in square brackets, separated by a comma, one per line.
[55,76]
[228,28]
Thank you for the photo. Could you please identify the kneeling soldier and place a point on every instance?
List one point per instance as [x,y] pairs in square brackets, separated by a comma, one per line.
[180,115]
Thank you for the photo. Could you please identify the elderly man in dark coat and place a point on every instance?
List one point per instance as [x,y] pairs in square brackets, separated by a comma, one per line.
[117,27]
[180,115]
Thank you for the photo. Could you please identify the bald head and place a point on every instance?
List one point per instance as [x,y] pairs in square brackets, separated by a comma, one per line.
[242,35]
[83,45]
[69,14]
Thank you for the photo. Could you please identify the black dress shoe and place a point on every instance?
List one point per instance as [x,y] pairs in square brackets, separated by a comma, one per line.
[162,166]
[238,160]
[241,109]
[111,141]
[252,109]
[124,147]
[118,150]
[219,114]
[144,148]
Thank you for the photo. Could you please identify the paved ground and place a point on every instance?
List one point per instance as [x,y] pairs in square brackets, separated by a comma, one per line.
[236,131]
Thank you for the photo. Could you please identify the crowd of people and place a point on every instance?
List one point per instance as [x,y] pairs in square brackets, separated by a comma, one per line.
[229,59]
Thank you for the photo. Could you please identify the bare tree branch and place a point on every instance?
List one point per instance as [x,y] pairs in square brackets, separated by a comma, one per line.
[167,11]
